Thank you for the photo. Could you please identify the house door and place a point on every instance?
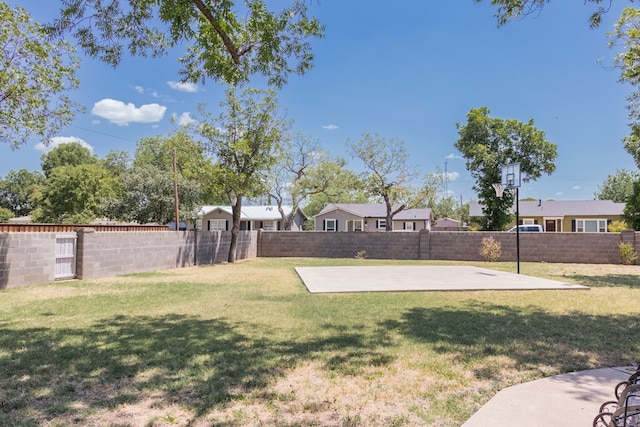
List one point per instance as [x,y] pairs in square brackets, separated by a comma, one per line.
[550,225]
[65,256]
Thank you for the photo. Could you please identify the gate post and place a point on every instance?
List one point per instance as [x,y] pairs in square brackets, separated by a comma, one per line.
[85,258]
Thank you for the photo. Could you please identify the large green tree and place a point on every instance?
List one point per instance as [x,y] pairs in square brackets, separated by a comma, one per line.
[192,161]
[147,196]
[243,140]
[69,154]
[224,41]
[36,75]
[16,190]
[389,177]
[617,187]
[73,194]
[489,143]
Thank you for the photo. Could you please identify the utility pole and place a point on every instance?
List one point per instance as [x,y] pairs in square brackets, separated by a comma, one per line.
[175,191]
[446,179]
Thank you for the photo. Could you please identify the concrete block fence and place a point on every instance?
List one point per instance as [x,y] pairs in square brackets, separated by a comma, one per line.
[590,248]
[28,258]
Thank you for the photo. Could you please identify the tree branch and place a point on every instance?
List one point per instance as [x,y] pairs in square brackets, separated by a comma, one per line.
[228,44]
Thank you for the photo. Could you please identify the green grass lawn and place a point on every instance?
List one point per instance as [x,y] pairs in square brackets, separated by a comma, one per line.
[247,345]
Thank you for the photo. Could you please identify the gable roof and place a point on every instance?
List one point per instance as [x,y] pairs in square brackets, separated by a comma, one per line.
[376,210]
[560,208]
[253,213]
[570,207]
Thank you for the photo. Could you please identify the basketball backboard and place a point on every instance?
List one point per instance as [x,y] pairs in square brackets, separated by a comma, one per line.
[511,175]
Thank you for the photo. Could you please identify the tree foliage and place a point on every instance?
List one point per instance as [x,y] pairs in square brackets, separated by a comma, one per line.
[147,196]
[227,42]
[73,194]
[69,154]
[340,185]
[508,10]
[192,161]
[5,214]
[489,143]
[117,162]
[389,176]
[302,170]
[617,187]
[243,140]
[35,76]
[631,213]
[16,190]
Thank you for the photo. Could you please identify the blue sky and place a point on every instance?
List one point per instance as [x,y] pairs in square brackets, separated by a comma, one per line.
[408,72]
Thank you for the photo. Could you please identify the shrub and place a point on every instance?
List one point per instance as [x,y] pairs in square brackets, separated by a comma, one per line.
[5,214]
[628,254]
[491,249]
[617,226]
[361,255]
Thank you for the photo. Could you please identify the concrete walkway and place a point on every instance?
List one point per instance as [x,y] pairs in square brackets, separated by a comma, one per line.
[563,400]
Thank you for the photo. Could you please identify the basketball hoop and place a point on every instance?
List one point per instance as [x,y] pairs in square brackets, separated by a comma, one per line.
[499,189]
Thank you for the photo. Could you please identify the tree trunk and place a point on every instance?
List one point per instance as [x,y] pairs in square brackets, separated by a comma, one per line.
[389,223]
[236,208]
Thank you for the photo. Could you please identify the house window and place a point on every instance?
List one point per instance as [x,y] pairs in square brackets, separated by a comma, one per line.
[409,226]
[330,225]
[269,225]
[382,223]
[218,225]
[591,225]
[357,225]
[528,221]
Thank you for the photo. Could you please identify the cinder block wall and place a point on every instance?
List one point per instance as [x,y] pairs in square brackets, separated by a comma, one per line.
[397,245]
[593,248]
[111,253]
[590,248]
[27,258]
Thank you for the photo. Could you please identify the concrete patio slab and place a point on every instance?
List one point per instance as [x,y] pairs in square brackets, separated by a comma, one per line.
[420,278]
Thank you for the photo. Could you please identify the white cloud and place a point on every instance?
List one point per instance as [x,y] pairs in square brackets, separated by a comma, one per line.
[575,187]
[185,119]
[330,127]
[139,89]
[559,193]
[449,176]
[183,86]
[452,156]
[452,176]
[58,140]
[122,114]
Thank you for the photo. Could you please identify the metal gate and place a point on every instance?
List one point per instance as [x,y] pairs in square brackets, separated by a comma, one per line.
[65,256]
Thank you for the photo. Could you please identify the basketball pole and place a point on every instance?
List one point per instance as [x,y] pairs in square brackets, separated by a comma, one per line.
[518,229]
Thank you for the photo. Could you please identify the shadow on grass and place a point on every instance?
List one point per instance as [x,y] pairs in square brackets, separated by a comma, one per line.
[197,364]
[631,281]
[68,374]
[530,338]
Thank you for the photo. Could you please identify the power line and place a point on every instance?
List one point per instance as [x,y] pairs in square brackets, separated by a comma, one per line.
[103,133]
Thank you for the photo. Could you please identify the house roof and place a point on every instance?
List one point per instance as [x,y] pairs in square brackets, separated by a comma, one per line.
[560,208]
[376,210]
[252,213]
